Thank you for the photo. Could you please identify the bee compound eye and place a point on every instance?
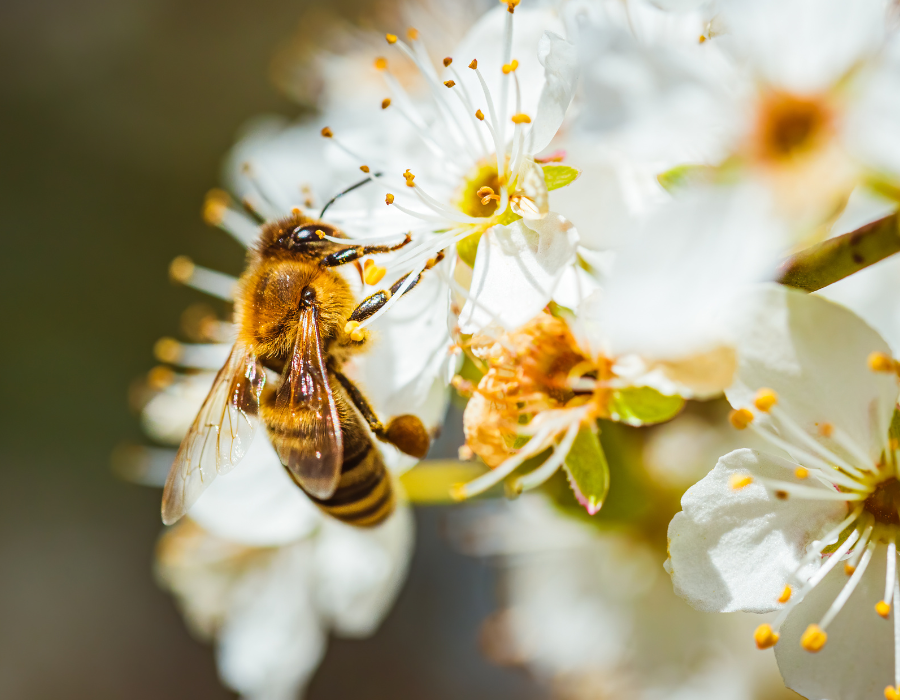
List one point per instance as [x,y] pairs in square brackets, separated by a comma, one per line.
[300,236]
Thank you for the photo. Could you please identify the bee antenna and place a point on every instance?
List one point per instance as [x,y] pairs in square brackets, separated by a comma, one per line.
[347,191]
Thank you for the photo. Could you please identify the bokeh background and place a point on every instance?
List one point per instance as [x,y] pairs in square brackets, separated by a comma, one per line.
[115,117]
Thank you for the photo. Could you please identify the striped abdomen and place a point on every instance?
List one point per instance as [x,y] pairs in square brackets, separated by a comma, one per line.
[364,496]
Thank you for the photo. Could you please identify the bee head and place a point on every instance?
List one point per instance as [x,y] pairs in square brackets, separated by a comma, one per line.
[295,235]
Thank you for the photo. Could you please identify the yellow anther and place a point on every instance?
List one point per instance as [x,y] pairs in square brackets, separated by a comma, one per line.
[386,102]
[765,637]
[373,274]
[449,83]
[381,63]
[214,206]
[327,133]
[880,362]
[521,119]
[510,67]
[354,331]
[701,39]
[883,609]
[412,33]
[364,168]
[320,233]
[891,693]
[826,429]
[409,177]
[813,639]
[785,595]
[297,211]
[801,472]
[781,495]
[849,569]
[739,481]
[479,115]
[765,399]
[474,64]
[181,269]
[447,61]
[458,492]
[160,377]
[510,5]
[391,38]
[740,418]
[389,198]
[167,350]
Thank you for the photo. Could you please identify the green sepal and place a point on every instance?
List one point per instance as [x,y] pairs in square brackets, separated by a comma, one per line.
[642,405]
[556,176]
[588,470]
[683,175]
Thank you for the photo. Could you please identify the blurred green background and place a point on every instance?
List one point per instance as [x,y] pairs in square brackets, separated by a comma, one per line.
[115,117]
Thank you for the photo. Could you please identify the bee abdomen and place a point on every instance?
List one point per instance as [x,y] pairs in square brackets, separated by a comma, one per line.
[364,496]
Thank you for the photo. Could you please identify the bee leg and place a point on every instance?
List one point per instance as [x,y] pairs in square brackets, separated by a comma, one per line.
[372,303]
[405,432]
[352,253]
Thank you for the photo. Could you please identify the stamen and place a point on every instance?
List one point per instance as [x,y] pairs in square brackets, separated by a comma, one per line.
[765,399]
[801,472]
[474,64]
[881,362]
[389,198]
[845,441]
[372,273]
[842,598]
[183,270]
[391,38]
[883,608]
[466,100]
[412,33]
[218,212]
[811,492]
[813,639]
[890,576]
[549,467]
[447,62]
[354,331]
[449,83]
[510,67]
[521,119]
[896,635]
[765,637]
[386,102]
[740,418]
[891,693]
[381,63]
[194,355]
[479,115]
[785,595]
[739,481]
[327,132]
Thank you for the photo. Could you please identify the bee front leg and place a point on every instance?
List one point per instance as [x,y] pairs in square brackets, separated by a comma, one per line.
[405,432]
[372,303]
[353,253]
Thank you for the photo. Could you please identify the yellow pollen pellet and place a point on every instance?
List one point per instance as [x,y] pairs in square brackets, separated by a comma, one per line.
[449,83]
[765,637]
[826,430]
[389,199]
[883,609]
[391,38]
[813,639]
[801,472]
[386,102]
[521,119]
[765,399]
[327,133]
[447,61]
[320,233]
[474,64]
[891,693]
[740,418]
[785,595]
[739,481]
[849,569]
[373,274]
[354,331]
[381,63]
[510,67]
[880,362]
[364,168]
[479,115]
[412,33]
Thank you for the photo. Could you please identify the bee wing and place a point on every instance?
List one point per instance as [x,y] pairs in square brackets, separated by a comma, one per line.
[315,459]
[219,436]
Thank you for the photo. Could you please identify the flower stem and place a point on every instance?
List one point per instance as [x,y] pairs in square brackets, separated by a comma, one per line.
[832,260]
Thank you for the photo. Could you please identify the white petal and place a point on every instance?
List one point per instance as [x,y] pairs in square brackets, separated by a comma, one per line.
[732,549]
[814,354]
[684,274]
[516,271]
[256,503]
[871,124]
[857,662]
[560,61]
[359,571]
[272,640]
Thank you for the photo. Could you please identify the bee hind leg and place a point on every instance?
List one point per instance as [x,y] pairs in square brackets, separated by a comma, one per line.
[405,432]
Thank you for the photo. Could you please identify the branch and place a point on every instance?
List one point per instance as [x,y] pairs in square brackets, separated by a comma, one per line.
[832,260]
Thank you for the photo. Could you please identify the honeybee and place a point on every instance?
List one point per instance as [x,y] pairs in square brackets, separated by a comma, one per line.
[292,311]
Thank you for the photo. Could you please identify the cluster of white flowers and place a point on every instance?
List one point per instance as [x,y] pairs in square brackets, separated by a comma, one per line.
[618,209]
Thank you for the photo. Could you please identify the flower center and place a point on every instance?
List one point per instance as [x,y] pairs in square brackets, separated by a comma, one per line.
[788,125]
[474,200]
[884,502]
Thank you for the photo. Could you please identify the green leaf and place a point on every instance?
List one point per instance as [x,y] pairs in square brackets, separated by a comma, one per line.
[682,175]
[642,405]
[588,470]
[556,176]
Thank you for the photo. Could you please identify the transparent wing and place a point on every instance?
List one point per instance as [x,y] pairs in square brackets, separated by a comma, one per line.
[219,436]
[315,457]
